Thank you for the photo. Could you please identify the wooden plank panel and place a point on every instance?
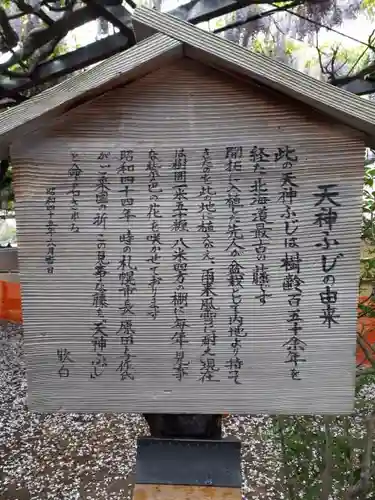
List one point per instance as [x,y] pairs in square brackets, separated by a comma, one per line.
[188,106]
[339,104]
[118,69]
[178,492]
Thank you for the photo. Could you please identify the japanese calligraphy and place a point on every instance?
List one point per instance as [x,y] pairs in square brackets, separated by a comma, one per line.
[235,270]
[99,299]
[65,359]
[180,263]
[74,172]
[170,267]
[207,209]
[327,206]
[126,268]
[262,225]
[154,237]
[51,226]
[291,261]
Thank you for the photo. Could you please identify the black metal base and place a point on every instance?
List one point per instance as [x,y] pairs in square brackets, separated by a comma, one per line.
[187,462]
[184,426]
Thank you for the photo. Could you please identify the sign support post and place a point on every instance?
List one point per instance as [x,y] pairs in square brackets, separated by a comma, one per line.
[186,458]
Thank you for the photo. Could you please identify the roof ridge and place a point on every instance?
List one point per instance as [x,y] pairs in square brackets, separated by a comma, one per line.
[337,103]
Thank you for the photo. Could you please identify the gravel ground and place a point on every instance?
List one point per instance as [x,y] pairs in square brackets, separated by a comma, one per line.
[71,456]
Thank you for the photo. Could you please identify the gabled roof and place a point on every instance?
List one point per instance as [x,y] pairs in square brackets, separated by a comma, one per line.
[211,49]
[164,39]
[120,69]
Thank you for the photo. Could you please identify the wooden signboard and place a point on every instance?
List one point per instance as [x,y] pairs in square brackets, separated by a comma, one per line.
[189,243]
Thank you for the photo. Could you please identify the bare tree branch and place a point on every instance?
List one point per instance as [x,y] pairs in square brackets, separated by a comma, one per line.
[260,15]
[331,67]
[10,37]
[323,68]
[36,10]
[367,468]
[287,477]
[69,4]
[44,51]
[39,37]
[328,462]
[361,56]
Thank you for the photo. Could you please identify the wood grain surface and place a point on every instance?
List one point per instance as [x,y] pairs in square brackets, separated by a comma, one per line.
[177,492]
[186,105]
[203,46]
